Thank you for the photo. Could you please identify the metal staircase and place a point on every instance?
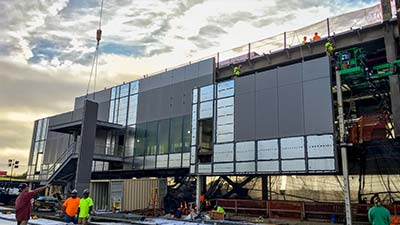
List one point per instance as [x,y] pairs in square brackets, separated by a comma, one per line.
[64,166]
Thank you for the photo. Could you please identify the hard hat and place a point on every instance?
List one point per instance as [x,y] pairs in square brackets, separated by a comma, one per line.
[74,191]
[22,186]
[86,191]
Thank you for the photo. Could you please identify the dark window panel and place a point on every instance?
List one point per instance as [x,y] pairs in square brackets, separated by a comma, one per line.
[176,135]
[151,138]
[186,133]
[163,134]
[140,144]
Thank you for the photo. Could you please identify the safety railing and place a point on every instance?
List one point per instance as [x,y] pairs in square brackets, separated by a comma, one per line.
[63,157]
[325,28]
[300,210]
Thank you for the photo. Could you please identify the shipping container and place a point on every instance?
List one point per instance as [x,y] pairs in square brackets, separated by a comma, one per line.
[138,193]
[129,194]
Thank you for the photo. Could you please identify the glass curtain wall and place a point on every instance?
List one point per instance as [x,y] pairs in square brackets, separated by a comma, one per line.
[163,136]
[123,110]
[36,162]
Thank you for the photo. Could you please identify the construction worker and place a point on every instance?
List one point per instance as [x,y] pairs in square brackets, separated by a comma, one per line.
[316,36]
[23,206]
[219,209]
[304,40]
[70,207]
[85,208]
[379,215]
[237,70]
[329,47]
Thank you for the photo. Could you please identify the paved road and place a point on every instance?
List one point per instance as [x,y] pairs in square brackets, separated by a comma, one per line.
[7,222]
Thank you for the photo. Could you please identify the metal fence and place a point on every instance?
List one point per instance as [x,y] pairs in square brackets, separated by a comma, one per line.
[334,212]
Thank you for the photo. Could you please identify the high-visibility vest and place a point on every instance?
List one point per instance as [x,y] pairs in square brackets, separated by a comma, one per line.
[220,209]
[236,71]
[316,37]
[328,47]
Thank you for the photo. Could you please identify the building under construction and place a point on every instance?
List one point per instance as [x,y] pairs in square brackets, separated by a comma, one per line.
[277,121]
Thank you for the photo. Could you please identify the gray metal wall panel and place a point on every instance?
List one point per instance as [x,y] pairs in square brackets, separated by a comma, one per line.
[150,162]
[60,118]
[187,96]
[245,117]
[103,111]
[245,84]
[143,108]
[318,106]
[290,74]
[155,81]
[204,80]
[267,114]
[267,79]
[177,100]
[192,71]
[316,68]
[178,75]
[206,67]
[291,119]
[100,96]
[77,114]
[166,102]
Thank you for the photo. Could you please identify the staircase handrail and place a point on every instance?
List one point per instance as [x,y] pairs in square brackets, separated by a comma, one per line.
[65,155]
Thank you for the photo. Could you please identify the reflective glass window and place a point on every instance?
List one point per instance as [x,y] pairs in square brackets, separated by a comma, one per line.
[134,87]
[195,95]
[206,110]
[176,135]
[151,138]
[206,93]
[111,112]
[122,111]
[130,142]
[124,90]
[186,133]
[225,89]
[113,92]
[133,100]
[163,134]
[140,138]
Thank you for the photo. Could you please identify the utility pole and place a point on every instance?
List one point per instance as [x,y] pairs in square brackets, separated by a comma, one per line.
[343,148]
[13,164]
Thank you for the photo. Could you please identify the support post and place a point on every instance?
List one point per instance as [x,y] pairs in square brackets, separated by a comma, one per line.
[328,28]
[264,187]
[284,40]
[343,147]
[391,55]
[198,187]
[88,140]
[249,52]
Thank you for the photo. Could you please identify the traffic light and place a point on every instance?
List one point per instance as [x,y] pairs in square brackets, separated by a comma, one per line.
[9,165]
[16,162]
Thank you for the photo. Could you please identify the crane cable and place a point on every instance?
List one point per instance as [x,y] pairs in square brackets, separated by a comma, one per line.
[95,57]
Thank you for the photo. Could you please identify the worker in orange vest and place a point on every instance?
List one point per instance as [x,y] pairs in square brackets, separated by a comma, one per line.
[316,36]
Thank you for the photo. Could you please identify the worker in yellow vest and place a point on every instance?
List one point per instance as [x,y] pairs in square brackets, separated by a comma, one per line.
[329,48]
[237,70]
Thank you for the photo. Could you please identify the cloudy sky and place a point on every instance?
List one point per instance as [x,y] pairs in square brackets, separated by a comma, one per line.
[46,46]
